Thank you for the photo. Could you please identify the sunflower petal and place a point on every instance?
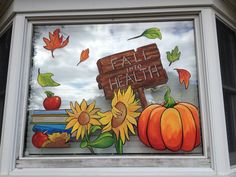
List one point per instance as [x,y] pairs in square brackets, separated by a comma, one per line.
[131,128]
[126,131]
[116,131]
[106,119]
[77,107]
[71,123]
[119,96]
[128,94]
[95,116]
[114,100]
[94,111]
[116,112]
[75,127]
[94,122]
[68,119]
[70,114]
[72,108]
[88,127]
[91,107]
[107,128]
[134,107]
[83,132]
[133,114]
[132,120]
[79,132]
[122,135]
[83,105]
[131,99]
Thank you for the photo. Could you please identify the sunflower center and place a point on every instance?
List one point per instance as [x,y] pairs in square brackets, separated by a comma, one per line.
[84,118]
[117,121]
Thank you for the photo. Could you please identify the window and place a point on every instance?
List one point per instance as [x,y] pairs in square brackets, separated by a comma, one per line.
[227,51]
[5,41]
[105,89]
[112,84]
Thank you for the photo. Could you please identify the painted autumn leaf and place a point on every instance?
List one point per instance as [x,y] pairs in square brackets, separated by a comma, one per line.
[45,80]
[174,55]
[184,77]
[55,41]
[150,33]
[84,55]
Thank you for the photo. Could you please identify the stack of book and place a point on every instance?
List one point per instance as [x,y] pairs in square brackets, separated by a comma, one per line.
[49,117]
[50,123]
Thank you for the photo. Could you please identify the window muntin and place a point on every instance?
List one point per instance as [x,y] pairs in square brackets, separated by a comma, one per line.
[182,34]
[227,51]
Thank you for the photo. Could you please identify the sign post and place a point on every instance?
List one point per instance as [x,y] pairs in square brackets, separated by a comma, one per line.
[141,69]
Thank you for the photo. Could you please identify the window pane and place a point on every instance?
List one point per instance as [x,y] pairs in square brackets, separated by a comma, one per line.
[5,42]
[103,77]
[227,51]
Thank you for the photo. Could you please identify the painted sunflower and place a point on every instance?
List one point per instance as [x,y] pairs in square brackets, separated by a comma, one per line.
[121,118]
[82,118]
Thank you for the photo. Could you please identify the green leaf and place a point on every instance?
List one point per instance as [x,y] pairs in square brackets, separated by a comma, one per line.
[119,146]
[150,33]
[83,144]
[94,128]
[104,140]
[49,93]
[174,55]
[45,80]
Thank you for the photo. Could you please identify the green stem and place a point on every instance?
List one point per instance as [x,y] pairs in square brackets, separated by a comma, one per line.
[88,142]
[135,37]
[91,149]
[169,100]
[119,146]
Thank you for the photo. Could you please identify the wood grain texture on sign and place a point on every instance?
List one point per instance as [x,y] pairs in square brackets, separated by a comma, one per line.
[140,69]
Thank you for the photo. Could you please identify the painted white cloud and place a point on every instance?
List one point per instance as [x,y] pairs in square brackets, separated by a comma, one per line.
[79,82]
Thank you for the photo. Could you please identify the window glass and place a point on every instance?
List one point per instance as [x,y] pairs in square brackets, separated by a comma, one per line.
[5,42]
[122,88]
[227,51]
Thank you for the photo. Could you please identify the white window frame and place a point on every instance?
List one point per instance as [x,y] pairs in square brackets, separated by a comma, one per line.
[210,87]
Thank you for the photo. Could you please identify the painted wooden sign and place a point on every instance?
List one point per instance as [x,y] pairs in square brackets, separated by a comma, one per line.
[140,69]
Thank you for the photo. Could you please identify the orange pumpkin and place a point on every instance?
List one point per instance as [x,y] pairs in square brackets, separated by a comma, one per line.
[174,126]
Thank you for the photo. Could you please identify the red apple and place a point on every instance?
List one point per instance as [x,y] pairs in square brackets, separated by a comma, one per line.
[39,138]
[51,102]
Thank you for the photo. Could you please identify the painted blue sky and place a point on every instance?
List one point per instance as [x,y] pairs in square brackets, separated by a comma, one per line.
[79,82]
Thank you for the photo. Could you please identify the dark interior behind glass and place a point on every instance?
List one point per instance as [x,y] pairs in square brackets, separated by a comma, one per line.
[5,41]
[227,51]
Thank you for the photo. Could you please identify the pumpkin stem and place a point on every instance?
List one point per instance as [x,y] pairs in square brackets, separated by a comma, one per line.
[169,100]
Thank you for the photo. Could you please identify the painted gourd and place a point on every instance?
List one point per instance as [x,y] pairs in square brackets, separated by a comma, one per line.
[173,126]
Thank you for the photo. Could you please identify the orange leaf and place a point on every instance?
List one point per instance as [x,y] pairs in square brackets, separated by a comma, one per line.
[55,41]
[84,55]
[184,76]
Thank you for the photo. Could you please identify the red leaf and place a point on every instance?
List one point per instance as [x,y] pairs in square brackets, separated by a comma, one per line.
[184,76]
[55,41]
[84,55]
